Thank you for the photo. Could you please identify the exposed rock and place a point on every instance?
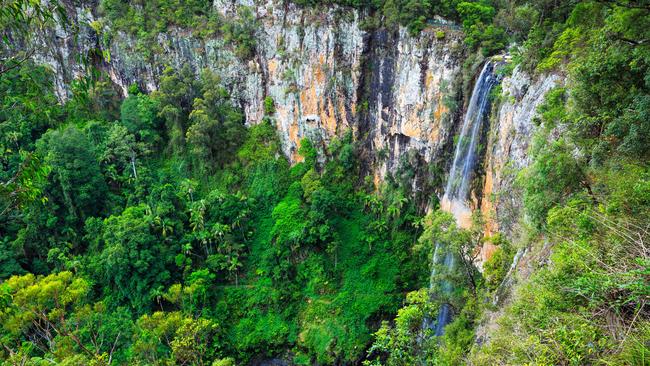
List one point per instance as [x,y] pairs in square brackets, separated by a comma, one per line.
[409,82]
[507,153]
[325,74]
[507,149]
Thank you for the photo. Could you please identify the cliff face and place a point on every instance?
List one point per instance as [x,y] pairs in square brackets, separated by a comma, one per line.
[324,73]
[409,95]
[508,142]
[399,94]
[510,135]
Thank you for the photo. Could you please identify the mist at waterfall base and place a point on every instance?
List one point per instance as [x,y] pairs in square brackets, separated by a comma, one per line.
[457,190]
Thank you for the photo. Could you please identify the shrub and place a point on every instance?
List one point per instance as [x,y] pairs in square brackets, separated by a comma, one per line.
[269,105]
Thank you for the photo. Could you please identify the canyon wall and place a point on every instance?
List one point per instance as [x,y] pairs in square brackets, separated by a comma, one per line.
[401,95]
[325,74]
[510,134]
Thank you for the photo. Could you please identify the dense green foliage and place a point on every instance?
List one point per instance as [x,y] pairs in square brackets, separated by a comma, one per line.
[175,235]
[410,340]
[159,229]
[594,179]
[484,27]
[586,195]
[488,25]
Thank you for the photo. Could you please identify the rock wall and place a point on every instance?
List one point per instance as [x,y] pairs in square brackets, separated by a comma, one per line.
[399,94]
[510,135]
[324,73]
[411,87]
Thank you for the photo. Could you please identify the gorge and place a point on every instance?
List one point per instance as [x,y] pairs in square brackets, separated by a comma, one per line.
[305,182]
[402,95]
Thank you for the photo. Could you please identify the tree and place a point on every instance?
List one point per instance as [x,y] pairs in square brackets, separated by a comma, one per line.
[473,13]
[138,113]
[26,186]
[496,267]
[414,13]
[94,97]
[131,263]
[76,180]
[216,128]
[550,180]
[404,343]
[479,30]
[52,314]
[221,225]
[269,105]
[446,240]
[290,224]
[172,338]
[75,190]
[28,107]
[174,98]
[197,294]
[121,154]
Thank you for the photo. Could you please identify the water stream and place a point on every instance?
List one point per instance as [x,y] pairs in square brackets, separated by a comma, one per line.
[456,195]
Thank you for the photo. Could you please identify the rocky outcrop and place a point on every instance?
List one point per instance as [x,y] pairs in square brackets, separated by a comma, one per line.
[508,143]
[510,135]
[410,91]
[67,53]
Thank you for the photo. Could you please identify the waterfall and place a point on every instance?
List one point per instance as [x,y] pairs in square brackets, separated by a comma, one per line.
[462,169]
[461,174]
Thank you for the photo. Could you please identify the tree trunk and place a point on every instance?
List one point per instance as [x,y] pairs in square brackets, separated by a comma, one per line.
[135,173]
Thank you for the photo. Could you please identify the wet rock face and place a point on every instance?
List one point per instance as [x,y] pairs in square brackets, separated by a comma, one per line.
[324,73]
[408,90]
[507,151]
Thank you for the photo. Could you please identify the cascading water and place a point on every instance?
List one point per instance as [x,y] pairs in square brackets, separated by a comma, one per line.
[463,167]
[461,174]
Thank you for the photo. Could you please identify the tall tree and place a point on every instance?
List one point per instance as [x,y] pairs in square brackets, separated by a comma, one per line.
[216,128]
[76,180]
[175,97]
[131,262]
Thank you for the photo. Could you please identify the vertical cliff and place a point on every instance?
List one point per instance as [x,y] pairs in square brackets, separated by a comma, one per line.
[399,94]
[325,74]
[510,135]
[507,147]
[409,92]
